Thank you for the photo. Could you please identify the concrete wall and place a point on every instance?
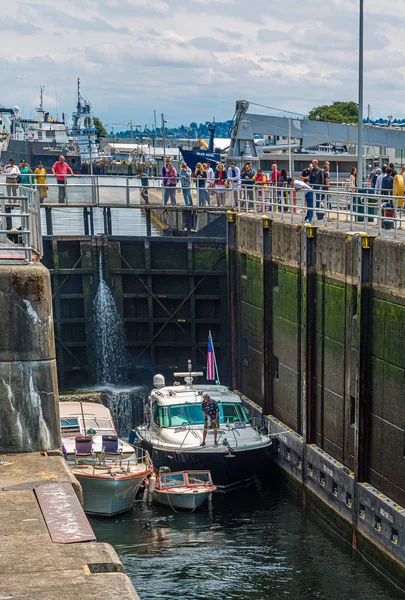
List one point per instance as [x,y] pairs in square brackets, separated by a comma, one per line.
[319,327]
[29,414]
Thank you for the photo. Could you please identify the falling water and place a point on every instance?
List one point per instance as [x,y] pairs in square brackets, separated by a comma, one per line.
[112,359]
[126,406]
[125,403]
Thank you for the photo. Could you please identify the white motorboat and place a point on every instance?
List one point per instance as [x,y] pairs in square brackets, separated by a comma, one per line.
[175,433]
[96,455]
[108,488]
[184,490]
[79,418]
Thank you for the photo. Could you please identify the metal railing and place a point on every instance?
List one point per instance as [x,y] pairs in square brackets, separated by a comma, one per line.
[343,208]
[20,225]
[99,191]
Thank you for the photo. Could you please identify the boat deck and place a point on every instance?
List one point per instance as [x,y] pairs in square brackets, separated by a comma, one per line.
[111,470]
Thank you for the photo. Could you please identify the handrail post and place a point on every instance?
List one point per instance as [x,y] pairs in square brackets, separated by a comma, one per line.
[128,193]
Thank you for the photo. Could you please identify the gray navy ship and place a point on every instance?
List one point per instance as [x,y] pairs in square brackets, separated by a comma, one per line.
[41,139]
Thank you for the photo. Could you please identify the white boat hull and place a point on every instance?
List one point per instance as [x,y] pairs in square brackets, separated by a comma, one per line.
[109,495]
[188,500]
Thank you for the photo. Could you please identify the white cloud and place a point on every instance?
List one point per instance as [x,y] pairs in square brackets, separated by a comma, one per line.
[193,60]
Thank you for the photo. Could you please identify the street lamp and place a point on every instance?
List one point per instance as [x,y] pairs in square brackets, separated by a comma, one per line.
[164,121]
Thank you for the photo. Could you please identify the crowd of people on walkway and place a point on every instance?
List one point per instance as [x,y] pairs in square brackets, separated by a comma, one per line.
[24,176]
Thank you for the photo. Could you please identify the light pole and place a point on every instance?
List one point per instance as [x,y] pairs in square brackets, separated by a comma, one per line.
[164,121]
[360,137]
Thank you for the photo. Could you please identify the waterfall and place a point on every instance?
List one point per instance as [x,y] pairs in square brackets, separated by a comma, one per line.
[125,403]
[126,406]
[111,353]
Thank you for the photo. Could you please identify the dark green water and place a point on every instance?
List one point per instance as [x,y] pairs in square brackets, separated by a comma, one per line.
[254,544]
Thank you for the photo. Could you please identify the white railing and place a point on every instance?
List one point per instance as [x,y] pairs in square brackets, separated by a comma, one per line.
[20,225]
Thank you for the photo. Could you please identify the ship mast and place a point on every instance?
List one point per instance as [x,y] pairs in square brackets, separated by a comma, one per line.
[41,97]
[78,93]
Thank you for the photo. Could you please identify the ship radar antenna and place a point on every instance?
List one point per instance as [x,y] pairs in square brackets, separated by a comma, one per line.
[188,376]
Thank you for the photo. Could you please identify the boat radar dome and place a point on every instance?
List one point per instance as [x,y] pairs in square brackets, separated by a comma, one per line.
[159,381]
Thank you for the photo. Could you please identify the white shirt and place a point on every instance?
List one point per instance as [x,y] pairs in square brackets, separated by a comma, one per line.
[237,174]
[210,175]
[301,185]
[12,172]
[378,183]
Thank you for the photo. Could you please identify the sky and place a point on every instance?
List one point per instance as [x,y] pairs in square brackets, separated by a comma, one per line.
[192,60]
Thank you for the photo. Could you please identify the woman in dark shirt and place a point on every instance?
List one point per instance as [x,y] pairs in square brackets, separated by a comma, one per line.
[201,180]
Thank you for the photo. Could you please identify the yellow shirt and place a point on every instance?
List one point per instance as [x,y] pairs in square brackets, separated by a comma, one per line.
[40,176]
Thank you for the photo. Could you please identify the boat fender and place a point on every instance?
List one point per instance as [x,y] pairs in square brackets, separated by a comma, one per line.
[152,485]
[145,497]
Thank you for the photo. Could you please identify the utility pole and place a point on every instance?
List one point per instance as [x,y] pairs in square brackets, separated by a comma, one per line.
[154,135]
[360,139]
[130,129]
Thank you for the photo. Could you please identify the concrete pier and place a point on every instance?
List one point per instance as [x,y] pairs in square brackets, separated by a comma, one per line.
[31,565]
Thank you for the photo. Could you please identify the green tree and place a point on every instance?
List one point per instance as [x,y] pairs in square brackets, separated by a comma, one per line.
[338,112]
[100,129]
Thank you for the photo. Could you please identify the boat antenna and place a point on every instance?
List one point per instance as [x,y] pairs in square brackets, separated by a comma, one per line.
[84,420]
[215,358]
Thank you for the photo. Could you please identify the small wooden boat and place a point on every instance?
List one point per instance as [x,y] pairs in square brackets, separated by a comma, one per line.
[184,490]
[110,488]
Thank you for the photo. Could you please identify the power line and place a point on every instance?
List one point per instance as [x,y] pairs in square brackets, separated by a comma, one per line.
[279,109]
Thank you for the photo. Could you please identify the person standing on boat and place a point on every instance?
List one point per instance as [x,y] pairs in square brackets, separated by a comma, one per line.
[185,180]
[211,418]
[12,173]
[40,178]
[61,169]
[148,412]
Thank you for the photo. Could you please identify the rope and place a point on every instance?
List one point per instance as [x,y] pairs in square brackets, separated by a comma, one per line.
[279,109]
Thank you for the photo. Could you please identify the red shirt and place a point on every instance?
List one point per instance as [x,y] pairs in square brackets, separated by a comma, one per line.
[61,170]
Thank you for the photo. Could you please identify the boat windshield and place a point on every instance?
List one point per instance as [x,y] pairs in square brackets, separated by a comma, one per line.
[199,478]
[102,426]
[170,480]
[179,415]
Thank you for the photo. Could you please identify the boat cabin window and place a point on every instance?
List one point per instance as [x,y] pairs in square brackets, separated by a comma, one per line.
[170,480]
[199,478]
[69,426]
[179,415]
